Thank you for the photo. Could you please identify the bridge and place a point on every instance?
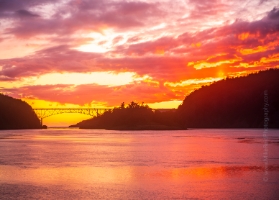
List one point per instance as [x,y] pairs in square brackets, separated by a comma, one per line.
[47,112]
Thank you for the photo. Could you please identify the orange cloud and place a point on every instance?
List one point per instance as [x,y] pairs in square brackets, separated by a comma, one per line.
[254,50]
[270,59]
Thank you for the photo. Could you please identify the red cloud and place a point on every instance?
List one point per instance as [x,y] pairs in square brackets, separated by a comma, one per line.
[85,94]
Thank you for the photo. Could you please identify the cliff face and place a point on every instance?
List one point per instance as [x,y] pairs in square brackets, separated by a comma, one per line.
[234,103]
[17,114]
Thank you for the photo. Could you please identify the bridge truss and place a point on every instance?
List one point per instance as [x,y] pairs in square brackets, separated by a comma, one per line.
[47,112]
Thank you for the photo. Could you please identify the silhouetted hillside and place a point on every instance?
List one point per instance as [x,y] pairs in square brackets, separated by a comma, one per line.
[233,103]
[16,114]
[133,117]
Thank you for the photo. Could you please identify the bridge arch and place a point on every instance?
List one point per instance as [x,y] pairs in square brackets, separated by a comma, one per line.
[47,112]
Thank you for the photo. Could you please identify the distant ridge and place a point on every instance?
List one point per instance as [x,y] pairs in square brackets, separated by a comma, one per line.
[233,103]
[17,114]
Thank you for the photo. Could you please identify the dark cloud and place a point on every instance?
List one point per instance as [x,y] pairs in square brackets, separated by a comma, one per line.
[25,13]
[11,5]
[87,15]
[274,14]
[15,8]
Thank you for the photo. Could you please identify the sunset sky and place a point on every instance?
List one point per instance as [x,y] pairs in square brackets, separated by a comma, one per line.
[93,53]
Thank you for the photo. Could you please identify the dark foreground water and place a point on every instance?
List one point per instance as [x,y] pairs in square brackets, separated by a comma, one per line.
[100,164]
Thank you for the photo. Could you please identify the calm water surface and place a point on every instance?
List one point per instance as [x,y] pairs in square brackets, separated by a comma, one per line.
[102,164]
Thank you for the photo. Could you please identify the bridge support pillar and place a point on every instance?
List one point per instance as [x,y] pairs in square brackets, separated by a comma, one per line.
[41,120]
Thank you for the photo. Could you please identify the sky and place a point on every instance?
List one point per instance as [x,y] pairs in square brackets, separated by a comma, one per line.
[92,53]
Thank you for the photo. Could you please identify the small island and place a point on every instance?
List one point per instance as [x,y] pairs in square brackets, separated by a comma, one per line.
[133,116]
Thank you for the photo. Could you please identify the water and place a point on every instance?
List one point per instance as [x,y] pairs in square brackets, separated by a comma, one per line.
[102,164]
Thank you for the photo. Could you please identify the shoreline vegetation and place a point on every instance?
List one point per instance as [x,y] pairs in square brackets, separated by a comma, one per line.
[239,102]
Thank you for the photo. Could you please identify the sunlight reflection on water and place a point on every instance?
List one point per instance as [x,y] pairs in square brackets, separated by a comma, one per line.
[101,164]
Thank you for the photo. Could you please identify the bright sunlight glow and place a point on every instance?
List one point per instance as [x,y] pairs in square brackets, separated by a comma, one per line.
[100,78]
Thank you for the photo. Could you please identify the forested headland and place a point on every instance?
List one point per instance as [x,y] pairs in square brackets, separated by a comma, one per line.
[17,114]
[234,103]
